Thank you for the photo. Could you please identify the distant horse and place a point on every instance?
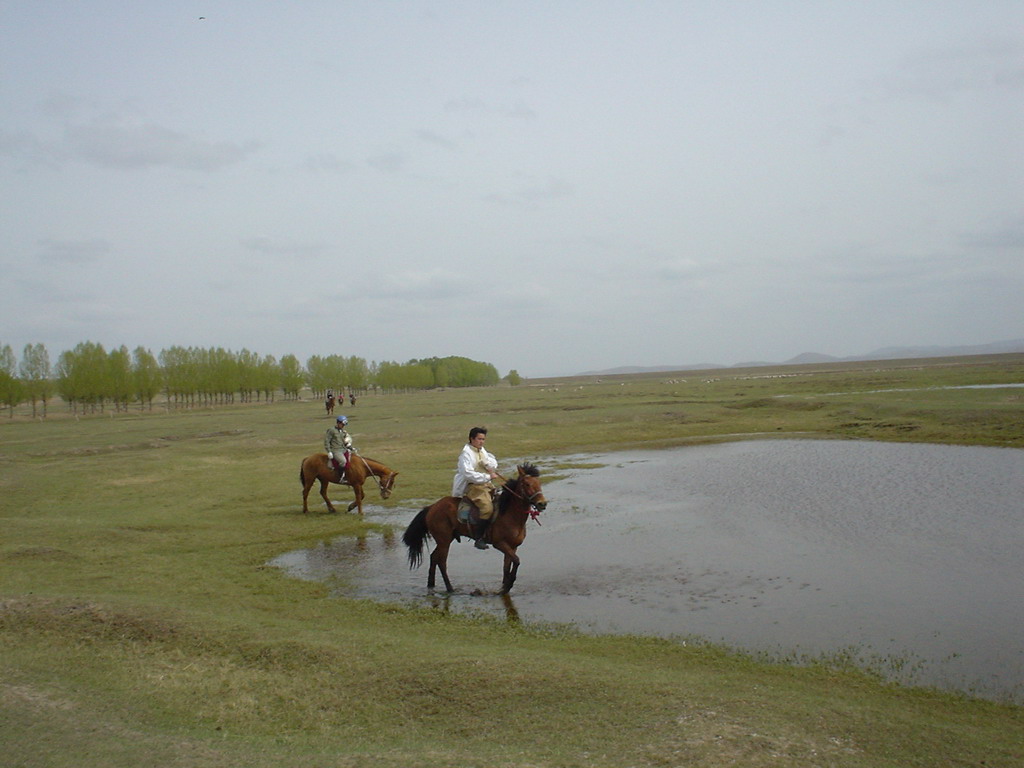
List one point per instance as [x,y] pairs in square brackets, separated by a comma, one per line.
[520,499]
[329,404]
[318,467]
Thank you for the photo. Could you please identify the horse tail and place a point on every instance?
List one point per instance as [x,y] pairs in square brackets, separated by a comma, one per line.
[414,537]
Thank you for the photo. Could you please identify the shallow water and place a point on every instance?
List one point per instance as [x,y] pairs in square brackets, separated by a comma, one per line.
[918,389]
[904,557]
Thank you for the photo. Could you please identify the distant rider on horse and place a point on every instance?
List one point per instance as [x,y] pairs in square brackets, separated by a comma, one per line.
[338,445]
[474,472]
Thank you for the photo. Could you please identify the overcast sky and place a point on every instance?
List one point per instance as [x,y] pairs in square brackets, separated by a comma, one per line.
[549,186]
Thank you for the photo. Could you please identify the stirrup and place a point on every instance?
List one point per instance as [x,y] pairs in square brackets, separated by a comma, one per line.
[480,543]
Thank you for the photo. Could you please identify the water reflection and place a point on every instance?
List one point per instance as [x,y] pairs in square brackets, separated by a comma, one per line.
[446,603]
[905,557]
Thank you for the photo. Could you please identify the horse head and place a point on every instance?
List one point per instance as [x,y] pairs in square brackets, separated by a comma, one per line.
[387,483]
[528,486]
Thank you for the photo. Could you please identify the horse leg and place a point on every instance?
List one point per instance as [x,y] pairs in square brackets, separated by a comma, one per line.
[359,499]
[306,485]
[327,500]
[509,571]
[439,560]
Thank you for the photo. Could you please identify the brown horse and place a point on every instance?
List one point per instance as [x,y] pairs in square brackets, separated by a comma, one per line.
[318,467]
[520,499]
[329,405]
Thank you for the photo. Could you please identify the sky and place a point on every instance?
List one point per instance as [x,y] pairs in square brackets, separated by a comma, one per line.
[552,187]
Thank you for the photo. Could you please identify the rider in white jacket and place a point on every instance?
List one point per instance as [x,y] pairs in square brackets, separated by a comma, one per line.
[474,472]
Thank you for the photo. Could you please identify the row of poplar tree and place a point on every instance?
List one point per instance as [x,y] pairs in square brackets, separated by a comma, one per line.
[90,378]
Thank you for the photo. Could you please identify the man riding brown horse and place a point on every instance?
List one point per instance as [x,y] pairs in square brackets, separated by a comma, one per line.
[520,500]
[474,473]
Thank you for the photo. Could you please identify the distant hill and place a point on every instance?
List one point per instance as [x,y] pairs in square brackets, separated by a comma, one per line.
[811,357]
[883,353]
[897,353]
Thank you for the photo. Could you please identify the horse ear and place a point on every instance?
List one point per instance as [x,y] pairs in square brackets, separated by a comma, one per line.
[521,470]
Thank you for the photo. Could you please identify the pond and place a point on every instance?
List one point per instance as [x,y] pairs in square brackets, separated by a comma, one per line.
[903,558]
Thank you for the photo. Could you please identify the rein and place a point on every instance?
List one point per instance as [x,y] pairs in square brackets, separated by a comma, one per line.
[369,471]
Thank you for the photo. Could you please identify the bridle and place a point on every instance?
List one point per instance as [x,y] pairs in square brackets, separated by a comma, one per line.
[534,511]
[382,487]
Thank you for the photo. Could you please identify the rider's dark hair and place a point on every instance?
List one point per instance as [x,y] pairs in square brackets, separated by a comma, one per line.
[477,431]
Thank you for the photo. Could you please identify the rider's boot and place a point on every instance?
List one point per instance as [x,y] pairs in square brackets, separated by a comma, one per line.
[481,530]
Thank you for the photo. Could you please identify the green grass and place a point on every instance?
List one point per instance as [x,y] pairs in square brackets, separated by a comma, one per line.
[140,623]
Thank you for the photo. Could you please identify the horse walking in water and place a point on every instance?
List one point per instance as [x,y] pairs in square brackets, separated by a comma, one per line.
[521,499]
[318,467]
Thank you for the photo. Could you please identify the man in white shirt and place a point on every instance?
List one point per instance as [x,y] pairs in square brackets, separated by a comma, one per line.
[474,472]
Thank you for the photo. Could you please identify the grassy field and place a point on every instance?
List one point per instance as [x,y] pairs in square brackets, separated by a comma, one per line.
[141,625]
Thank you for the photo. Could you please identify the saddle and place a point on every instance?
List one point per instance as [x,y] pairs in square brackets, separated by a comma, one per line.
[340,468]
[467,512]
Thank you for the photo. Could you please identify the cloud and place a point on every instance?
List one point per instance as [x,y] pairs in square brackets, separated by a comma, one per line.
[551,189]
[973,66]
[528,195]
[73,251]
[290,248]
[685,270]
[388,162]
[1009,235]
[12,143]
[22,144]
[466,105]
[518,110]
[436,139]
[419,286]
[49,293]
[521,112]
[327,161]
[149,145]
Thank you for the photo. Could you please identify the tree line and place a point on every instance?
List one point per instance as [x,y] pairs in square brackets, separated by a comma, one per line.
[89,378]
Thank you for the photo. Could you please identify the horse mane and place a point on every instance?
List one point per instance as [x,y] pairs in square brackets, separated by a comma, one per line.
[511,486]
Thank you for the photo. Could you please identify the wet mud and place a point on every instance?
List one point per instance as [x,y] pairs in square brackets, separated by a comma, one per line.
[902,558]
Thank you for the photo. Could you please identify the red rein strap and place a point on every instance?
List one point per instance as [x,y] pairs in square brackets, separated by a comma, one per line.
[534,514]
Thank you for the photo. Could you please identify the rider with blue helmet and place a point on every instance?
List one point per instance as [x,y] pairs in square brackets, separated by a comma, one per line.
[338,444]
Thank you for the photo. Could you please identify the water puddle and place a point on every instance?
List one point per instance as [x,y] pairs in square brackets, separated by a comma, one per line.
[904,558]
[915,389]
